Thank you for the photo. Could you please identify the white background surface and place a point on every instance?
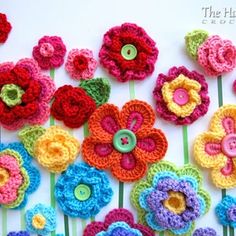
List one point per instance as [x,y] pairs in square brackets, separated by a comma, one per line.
[81,24]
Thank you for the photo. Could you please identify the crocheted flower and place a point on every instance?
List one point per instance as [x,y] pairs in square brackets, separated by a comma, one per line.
[170,199]
[117,222]
[24,94]
[72,105]
[216,149]
[226,211]
[40,220]
[20,233]
[5,28]
[50,52]
[204,232]
[128,53]
[81,64]
[125,141]
[81,191]
[54,148]
[181,96]
[18,178]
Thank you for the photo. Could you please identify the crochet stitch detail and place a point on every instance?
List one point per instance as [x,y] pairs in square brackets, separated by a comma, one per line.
[5,28]
[205,232]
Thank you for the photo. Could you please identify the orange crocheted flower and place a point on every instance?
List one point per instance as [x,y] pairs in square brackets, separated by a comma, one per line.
[124,141]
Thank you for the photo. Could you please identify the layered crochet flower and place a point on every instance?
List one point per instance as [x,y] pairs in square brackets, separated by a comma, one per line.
[81,191]
[24,94]
[20,233]
[117,222]
[50,52]
[81,64]
[226,211]
[124,141]
[54,148]
[216,149]
[5,28]
[170,199]
[18,178]
[128,53]
[181,96]
[41,219]
[204,232]
[214,54]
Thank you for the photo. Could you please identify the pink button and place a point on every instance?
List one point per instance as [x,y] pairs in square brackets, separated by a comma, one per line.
[181,96]
[128,161]
[229,145]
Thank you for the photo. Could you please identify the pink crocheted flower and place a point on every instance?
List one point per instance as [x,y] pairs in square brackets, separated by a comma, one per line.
[217,56]
[81,64]
[117,222]
[50,52]
[24,94]
[128,53]
[181,96]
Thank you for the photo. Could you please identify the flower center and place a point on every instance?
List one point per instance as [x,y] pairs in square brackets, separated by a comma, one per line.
[175,202]
[4,176]
[38,221]
[229,145]
[11,94]
[231,213]
[46,50]
[80,63]
[129,52]
[181,96]
[82,192]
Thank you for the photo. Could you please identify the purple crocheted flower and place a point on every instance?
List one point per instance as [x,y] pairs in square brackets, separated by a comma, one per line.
[20,233]
[204,232]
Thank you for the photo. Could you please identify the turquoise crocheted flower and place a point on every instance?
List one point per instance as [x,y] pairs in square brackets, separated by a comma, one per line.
[40,220]
[226,211]
[81,191]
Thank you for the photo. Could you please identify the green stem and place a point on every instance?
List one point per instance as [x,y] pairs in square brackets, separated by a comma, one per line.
[185,144]
[66,225]
[231,231]
[121,194]
[74,227]
[22,219]
[4,221]
[131,89]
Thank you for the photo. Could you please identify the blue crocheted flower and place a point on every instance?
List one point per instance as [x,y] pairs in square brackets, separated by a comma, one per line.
[81,191]
[204,232]
[20,233]
[226,211]
[40,220]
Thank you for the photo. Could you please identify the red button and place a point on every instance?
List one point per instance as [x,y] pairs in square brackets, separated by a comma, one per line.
[128,161]
[181,96]
[229,145]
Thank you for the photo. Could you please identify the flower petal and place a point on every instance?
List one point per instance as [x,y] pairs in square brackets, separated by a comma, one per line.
[94,228]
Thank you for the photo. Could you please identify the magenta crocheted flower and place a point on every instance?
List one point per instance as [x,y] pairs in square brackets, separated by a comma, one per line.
[181,96]
[117,222]
[128,53]
[24,94]
[50,52]
[81,64]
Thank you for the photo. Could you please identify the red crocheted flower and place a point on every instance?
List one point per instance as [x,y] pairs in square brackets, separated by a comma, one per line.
[24,94]
[72,105]
[117,222]
[5,28]
[128,52]
[50,52]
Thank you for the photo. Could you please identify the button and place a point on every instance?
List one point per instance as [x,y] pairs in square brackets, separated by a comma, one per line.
[129,52]
[181,96]
[229,145]
[82,192]
[128,161]
[124,141]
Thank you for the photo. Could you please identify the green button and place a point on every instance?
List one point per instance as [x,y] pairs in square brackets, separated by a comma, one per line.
[124,141]
[82,192]
[129,52]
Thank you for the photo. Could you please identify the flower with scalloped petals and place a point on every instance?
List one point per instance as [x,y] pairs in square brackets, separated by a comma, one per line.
[81,64]
[204,232]
[5,28]
[50,52]
[181,96]
[128,53]
[81,191]
[25,94]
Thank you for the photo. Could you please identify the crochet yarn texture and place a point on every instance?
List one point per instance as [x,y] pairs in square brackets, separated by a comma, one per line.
[18,178]
[205,232]
[216,148]
[124,141]
[81,191]
[181,96]
[54,148]
[117,222]
[128,53]
[25,94]
[170,199]
[5,28]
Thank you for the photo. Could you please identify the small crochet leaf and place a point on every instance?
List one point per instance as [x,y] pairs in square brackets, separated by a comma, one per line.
[193,40]
[29,135]
[99,89]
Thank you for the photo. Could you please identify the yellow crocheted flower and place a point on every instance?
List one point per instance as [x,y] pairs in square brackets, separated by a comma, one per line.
[181,95]
[56,149]
[216,149]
